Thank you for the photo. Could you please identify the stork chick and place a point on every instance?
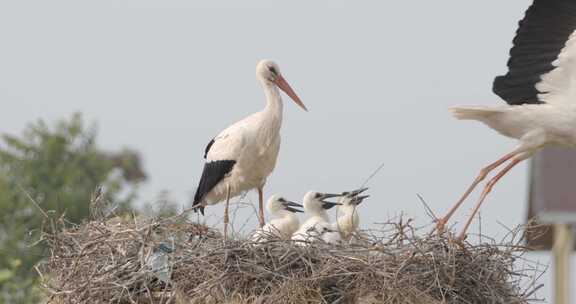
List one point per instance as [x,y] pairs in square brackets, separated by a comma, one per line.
[285,222]
[317,226]
[348,219]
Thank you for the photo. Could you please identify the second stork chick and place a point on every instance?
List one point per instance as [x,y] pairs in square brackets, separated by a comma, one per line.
[284,223]
[318,225]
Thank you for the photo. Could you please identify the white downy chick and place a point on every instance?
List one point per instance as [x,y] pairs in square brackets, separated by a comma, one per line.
[348,220]
[318,225]
[284,223]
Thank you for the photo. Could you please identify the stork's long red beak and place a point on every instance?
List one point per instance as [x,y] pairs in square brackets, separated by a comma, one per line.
[284,86]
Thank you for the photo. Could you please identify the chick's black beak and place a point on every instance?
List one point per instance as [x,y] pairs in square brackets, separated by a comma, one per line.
[328,205]
[328,195]
[288,206]
[291,204]
[293,210]
[357,200]
[356,192]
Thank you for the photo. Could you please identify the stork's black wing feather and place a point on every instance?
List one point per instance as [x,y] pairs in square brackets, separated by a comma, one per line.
[540,38]
[208,148]
[212,174]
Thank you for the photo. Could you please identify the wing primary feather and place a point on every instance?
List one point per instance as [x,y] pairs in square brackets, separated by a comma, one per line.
[213,173]
[541,36]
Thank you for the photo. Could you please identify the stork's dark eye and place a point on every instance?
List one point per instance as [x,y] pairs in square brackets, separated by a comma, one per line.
[273,70]
[318,195]
[282,200]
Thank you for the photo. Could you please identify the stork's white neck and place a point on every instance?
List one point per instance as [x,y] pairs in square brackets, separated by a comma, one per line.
[271,121]
[346,210]
[320,214]
[286,216]
[273,100]
[348,214]
[282,214]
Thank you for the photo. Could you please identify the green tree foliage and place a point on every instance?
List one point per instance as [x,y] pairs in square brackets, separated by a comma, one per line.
[50,171]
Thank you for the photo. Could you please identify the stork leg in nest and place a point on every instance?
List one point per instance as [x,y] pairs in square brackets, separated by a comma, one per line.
[261,207]
[485,192]
[441,223]
[226,218]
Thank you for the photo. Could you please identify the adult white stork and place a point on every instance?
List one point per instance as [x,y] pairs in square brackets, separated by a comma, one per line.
[242,156]
[540,89]
[285,222]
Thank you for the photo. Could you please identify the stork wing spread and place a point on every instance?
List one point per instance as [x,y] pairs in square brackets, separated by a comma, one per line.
[541,68]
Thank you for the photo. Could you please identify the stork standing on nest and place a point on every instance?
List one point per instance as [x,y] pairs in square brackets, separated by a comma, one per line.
[242,156]
[540,89]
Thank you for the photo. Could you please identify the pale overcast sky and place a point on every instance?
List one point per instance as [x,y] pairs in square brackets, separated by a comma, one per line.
[164,77]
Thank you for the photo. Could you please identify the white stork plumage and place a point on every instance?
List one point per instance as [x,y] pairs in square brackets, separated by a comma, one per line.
[540,89]
[242,156]
[284,223]
[347,217]
[318,225]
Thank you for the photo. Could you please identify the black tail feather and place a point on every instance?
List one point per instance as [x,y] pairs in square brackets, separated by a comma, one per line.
[197,208]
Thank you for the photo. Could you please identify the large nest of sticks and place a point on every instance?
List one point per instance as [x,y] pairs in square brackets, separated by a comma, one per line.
[175,261]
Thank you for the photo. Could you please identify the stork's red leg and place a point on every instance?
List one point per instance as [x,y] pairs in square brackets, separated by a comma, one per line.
[440,223]
[485,192]
[226,218]
[261,207]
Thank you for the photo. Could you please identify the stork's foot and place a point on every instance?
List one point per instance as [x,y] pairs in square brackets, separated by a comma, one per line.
[440,226]
[459,241]
[226,221]
[461,237]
